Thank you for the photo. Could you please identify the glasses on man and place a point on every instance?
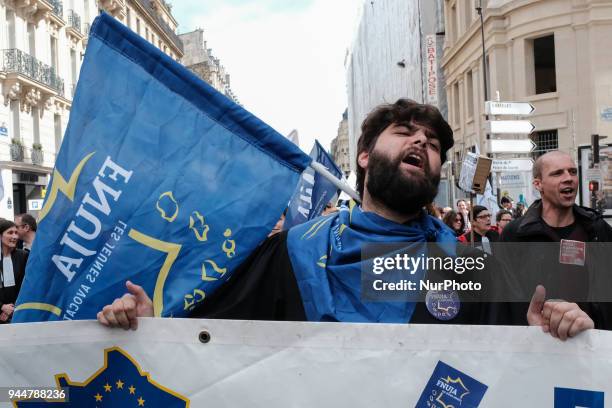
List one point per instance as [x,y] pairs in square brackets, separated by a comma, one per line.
[483,216]
[505,220]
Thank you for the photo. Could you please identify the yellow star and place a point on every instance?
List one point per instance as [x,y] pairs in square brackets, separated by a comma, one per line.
[119,384]
[141,402]
[132,389]
[107,387]
[98,397]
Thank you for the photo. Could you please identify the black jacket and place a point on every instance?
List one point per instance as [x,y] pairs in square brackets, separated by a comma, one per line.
[20,259]
[532,228]
[539,263]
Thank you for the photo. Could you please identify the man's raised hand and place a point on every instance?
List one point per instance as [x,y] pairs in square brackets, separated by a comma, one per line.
[124,311]
[560,319]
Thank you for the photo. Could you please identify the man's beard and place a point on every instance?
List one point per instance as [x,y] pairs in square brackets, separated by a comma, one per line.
[389,185]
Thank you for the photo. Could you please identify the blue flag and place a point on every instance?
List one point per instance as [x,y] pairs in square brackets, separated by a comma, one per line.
[314,191]
[160,180]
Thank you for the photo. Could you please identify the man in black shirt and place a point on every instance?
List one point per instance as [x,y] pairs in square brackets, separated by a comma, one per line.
[556,218]
[313,271]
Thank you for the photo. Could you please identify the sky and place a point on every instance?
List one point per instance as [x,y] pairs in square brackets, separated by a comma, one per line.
[285,57]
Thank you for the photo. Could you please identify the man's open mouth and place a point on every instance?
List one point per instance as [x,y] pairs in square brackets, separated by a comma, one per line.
[414,160]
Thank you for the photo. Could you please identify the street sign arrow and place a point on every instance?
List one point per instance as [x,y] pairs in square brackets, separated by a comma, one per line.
[508,108]
[511,146]
[510,126]
[506,165]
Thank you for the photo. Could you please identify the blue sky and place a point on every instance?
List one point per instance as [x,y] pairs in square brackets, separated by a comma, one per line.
[285,57]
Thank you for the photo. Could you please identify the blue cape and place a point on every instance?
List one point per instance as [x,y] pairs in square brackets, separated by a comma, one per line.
[325,255]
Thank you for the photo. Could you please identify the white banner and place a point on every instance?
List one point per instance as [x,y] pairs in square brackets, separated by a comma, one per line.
[206,363]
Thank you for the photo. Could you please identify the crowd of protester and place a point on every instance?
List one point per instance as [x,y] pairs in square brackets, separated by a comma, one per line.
[394,207]
[461,219]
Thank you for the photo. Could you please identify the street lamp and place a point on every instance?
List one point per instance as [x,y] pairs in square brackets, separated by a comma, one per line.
[484,59]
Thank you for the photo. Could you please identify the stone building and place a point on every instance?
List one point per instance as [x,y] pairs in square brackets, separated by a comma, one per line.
[340,146]
[199,59]
[151,19]
[42,44]
[552,54]
[395,54]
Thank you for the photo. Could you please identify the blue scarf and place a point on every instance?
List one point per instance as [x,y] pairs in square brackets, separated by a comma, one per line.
[325,255]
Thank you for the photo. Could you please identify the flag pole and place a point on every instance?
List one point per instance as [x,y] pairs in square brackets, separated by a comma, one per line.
[319,168]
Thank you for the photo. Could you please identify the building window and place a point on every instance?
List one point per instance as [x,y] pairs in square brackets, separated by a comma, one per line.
[73,69]
[470,94]
[128,18]
[54,62]
[540,65]
[147,33]
[35,124]
[467,14]
[57,126]
[544,64]
[15,125]
[456,115]
[138,25]
[86,11]
[31,39]
[545,141]
[10,28]
[453,23]
[488,74]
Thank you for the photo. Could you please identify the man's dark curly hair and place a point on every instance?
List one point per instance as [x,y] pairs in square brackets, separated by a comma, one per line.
[404,112]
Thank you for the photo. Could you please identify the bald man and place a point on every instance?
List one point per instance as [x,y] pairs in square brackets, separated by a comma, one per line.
[557,218]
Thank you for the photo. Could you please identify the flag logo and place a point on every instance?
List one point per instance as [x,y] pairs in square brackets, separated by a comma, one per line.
[120,382]
[448,387]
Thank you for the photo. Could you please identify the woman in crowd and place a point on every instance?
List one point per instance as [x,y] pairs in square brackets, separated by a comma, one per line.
[455,221]
[12,269]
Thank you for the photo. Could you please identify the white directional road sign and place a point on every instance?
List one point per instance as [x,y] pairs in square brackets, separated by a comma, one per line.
[510,126]
[507,165]
[508,108]
[511,145]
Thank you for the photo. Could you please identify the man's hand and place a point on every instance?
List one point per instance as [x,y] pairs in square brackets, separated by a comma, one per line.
[4,317]
[560,319]
[123,312]
[7,309]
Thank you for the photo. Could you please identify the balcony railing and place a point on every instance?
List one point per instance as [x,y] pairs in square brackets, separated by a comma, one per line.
[74,20]
[86,28]
[58,8]
[146,4]
[15,60]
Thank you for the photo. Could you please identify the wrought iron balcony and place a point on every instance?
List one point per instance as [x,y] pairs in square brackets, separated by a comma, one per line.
[86,28]
[74,20]
[17,61]
[58,7]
